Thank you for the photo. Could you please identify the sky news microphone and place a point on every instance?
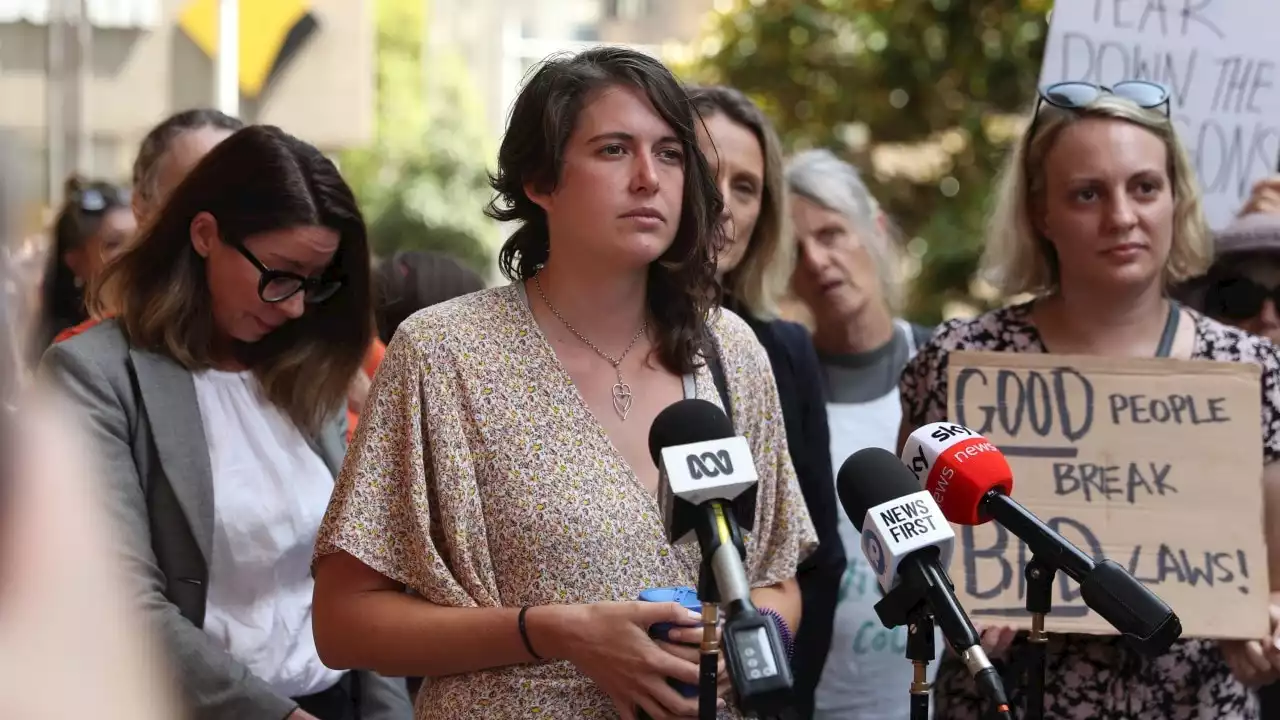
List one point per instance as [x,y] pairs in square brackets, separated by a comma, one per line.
[971,482]
[706,484]
[907,540]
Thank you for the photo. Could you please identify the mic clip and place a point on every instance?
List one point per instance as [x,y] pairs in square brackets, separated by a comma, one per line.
[716,528]
[900,605]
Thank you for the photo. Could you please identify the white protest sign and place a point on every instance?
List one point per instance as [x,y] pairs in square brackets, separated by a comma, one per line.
[1220,61]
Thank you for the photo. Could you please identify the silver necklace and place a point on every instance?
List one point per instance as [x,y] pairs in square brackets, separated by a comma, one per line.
[621,390]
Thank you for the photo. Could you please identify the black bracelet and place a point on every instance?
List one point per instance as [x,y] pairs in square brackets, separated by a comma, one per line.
[524,634]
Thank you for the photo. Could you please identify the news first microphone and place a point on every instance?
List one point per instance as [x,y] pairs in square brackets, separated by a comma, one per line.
[908,542]
[707,481]
[971,482]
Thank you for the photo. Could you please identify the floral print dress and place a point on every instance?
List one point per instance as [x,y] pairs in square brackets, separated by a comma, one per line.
[479,478]
[1093,677]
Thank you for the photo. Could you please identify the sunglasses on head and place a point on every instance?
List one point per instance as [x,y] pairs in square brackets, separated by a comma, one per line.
[1238,298]
[93,200]
[1075,95]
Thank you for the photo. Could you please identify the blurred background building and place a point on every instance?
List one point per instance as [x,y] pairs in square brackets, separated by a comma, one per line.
[83,80]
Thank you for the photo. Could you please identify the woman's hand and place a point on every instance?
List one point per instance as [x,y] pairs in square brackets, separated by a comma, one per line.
[686,644]
[996,640]
[610,643]
[1253,662]
[1265,197]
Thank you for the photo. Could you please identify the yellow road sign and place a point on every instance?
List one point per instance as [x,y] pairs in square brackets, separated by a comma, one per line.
[271,32]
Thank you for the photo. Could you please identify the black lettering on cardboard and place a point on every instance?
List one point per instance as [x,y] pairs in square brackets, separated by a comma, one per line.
[1160,473]
[1118,403]
[1039,404]
[1003,380]
[1167,565]
[971,555]
[1061,378]
[1217,413]
[1244,571]
[1065,481]
[962,383]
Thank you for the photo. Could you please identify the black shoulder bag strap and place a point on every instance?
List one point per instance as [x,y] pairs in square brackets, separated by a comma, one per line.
[718,376]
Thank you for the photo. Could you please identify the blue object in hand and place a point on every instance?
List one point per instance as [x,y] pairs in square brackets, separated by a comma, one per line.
[687,597]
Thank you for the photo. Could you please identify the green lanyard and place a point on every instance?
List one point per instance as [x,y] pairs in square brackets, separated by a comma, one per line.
[1170,330]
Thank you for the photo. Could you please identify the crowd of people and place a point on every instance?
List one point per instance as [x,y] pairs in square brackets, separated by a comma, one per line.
[344,487]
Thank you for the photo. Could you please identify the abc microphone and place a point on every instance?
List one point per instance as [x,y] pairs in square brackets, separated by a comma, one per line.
[707,481]
[908,543]
[971,481]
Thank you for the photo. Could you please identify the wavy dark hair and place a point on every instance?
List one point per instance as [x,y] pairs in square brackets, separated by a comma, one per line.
[682,287]
[260,179]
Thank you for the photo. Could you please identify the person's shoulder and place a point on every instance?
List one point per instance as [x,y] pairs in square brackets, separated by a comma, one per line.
[461,320]
[793,335]
[1228,343]
[103,341]
[737,341]
[996,330]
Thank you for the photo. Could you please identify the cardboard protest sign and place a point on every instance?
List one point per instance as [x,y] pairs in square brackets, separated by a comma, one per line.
[1219,60]
[1153,463]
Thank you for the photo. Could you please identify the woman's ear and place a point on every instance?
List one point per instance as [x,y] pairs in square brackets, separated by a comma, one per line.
[538,197]
[204,233]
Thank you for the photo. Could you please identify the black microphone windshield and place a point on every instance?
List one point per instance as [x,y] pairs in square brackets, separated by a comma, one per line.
[687,421]
[870,477]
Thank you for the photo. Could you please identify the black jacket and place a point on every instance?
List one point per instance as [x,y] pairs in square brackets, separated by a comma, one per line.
[799,378]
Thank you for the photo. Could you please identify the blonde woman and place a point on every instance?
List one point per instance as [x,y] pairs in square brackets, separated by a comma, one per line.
[755,267]
[1098,214]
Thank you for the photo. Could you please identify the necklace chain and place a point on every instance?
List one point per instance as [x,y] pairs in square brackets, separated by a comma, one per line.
[621,390]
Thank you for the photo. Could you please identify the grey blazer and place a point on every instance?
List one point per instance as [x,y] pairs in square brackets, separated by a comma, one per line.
[141,412]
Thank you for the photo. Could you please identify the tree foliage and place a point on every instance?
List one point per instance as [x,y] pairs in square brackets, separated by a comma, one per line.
[920,94]
[422,182]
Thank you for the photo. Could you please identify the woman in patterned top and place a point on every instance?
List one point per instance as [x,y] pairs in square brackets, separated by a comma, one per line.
[501,470]
[1098,213]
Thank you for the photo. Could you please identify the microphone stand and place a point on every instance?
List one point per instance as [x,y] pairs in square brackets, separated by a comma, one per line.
[712,537]
[709,661]
[920,647]
[920,652]
[1040,575]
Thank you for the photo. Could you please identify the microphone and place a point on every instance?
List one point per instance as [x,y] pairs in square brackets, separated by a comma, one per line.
[706,481]
[908,542]
[971,481]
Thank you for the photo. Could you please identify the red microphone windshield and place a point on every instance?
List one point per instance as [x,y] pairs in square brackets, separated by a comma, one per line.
[958,467]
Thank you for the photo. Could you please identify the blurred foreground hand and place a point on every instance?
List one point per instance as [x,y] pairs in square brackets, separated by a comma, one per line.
[1265,197]
[70,643]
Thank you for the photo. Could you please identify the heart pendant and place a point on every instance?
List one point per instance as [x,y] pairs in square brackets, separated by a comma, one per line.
[622,399]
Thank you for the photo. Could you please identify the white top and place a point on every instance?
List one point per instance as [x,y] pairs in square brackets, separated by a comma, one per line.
[270,491]
[867,675]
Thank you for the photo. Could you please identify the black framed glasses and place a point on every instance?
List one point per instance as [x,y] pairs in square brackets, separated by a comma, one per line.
[279,285]
[1074,95]
[1238,298]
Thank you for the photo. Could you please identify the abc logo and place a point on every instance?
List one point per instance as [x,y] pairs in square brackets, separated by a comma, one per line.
[710,464]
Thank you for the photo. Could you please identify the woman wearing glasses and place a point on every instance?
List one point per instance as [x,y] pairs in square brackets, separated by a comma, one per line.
[214,398]
[1098,213]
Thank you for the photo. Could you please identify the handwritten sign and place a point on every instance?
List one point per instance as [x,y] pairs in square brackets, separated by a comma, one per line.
[1218,58]
[1156,464]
